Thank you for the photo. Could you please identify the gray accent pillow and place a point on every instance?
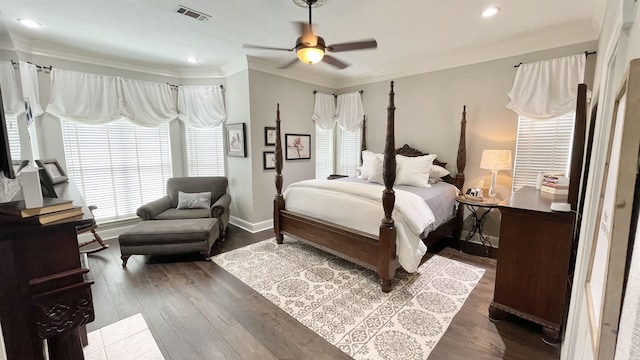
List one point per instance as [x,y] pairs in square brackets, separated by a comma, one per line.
[194,200]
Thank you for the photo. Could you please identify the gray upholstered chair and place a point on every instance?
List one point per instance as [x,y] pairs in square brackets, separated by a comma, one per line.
[165,207]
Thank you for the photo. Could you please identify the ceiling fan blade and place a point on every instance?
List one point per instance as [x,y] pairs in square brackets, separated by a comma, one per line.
[335,62]
[289,64]
[250,46]
[356,45]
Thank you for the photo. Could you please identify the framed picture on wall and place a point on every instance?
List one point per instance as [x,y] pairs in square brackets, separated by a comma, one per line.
[298,146]
[269,136]
[236,141]
[268,160]
[53,169]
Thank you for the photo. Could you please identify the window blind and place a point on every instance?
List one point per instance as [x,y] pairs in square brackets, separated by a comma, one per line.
[117,166]
[349,152]
[205,151]
[324,153]
[542,146]
[14,138]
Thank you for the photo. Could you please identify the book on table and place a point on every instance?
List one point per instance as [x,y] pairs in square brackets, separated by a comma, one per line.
[67,214]
[49,205]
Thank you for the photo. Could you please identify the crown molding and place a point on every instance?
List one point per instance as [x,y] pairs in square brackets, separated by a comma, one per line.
[308,75]
[56,51]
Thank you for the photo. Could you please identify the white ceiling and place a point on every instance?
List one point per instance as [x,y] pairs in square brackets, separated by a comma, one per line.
[413,36]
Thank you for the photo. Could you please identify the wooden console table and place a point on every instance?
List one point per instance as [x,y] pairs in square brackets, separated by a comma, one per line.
[43,290]
[533,265]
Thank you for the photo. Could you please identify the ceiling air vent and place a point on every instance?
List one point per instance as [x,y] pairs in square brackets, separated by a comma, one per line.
[181,9]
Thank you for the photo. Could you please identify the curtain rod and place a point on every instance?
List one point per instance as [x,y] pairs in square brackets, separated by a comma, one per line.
[48,68]
[334,95]
[586,53]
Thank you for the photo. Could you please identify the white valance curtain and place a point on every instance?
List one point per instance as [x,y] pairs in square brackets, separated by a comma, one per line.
[86,98]
[324,111]
[146,103]
[30,87]
[201,106]
[547,89]
[11,101]
[99,99]
[349,111]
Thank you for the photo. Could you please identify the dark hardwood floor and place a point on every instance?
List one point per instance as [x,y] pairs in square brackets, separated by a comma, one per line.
[196,310]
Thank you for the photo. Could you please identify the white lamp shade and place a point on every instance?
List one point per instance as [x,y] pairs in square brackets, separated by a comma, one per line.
[496,160]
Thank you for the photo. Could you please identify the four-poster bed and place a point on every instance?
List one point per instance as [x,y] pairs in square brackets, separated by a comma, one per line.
[377,252]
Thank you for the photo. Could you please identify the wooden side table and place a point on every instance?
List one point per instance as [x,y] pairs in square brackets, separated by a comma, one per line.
[478,220]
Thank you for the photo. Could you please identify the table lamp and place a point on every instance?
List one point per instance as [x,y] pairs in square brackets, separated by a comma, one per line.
[495,160]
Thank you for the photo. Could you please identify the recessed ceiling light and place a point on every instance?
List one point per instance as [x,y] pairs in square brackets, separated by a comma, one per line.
[30,23]
[192,59]
[490,11]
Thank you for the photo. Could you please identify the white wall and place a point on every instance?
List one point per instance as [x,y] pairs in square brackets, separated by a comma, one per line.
[578,343]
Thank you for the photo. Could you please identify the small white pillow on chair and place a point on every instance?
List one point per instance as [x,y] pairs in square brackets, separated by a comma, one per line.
[414,171]
[194,200]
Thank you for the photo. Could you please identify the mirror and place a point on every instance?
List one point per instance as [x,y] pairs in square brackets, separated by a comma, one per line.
[11,110]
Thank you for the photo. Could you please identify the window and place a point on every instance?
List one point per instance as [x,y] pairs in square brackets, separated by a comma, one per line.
[349,151]
[117,166]
[205,151]
[14,138]
[324,153]
[542,146]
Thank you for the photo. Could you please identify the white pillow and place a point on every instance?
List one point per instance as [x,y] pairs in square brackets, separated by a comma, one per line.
[414,171]
[194,200]
[367,163]
[438,171]
[376,171]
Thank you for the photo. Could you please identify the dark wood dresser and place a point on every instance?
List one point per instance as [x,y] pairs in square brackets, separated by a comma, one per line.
[44,289]
[533,270]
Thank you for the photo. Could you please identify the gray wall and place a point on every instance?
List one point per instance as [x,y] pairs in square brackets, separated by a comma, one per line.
[296,100]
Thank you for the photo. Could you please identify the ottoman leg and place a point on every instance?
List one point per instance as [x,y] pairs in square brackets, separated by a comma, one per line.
[207,255]
[125,258]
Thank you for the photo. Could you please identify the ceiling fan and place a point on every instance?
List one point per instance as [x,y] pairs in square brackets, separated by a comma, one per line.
[311,48]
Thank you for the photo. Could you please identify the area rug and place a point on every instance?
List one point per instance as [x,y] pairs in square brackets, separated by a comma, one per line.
[342,302]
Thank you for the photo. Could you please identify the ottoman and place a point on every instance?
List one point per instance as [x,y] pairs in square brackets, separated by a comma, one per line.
[168,237]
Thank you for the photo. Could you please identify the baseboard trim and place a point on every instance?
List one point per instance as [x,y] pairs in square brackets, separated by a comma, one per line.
[251,227]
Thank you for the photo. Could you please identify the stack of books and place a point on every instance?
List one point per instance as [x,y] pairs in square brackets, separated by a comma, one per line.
[52,210]
[556,184]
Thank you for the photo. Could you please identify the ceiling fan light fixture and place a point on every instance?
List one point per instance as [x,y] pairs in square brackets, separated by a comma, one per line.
[310,55]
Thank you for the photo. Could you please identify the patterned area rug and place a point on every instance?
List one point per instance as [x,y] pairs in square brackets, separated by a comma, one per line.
[342,302]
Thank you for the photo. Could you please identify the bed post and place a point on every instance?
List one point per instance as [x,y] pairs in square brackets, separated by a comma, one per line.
[461,164]
[278,202]
[363,137]
[462,150]
[387,240]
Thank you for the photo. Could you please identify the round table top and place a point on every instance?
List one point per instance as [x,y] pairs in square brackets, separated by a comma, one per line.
[481,202]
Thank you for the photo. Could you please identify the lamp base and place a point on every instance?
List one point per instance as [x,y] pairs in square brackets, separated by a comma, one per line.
[492,190]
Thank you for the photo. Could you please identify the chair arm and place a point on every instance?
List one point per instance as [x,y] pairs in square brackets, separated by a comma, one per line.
[220,206]
[151,210]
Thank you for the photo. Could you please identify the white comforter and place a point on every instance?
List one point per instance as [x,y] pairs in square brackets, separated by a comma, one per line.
[359,206]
